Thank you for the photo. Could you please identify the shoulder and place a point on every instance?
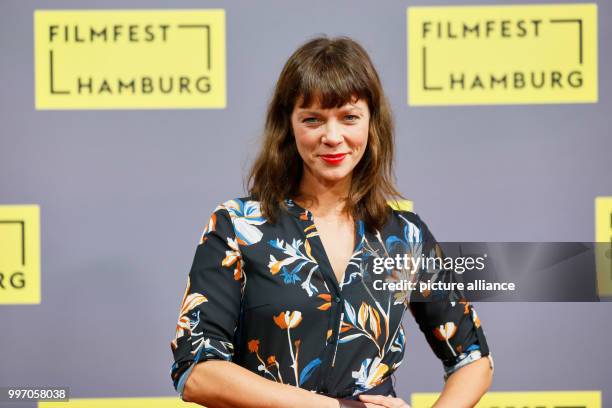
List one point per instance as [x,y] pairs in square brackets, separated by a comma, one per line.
[409,223]
[243,216]
[403,217]
[240,207]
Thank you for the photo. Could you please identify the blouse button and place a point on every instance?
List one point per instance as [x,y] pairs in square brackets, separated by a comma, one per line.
[337,299]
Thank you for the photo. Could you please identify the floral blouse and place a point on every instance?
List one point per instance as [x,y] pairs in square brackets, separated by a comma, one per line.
[265,297]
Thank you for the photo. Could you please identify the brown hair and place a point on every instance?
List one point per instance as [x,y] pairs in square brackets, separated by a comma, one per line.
[331,72]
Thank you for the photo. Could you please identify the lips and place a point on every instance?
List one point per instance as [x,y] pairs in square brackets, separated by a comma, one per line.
[334,159]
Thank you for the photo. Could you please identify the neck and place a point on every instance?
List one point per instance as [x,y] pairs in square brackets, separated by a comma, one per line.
[323,197]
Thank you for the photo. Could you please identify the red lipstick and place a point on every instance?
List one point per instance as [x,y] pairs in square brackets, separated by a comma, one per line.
[334,159]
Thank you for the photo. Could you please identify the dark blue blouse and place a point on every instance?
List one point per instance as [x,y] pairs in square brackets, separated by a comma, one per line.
[265,297]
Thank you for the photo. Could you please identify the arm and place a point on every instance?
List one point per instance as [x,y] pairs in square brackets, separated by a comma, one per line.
[203,347]
[221,384]
[467,385]
[453,330]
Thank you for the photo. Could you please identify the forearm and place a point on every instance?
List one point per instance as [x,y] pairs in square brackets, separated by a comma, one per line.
[466,386]
[221,384]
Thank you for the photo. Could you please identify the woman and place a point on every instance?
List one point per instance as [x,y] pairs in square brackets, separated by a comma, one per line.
[281,292]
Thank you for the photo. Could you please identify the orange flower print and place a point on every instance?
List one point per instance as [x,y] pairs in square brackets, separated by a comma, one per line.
[209,227]
[343,328]
[475,318]
[371,373]
[367,321]
[287,320]
[253,346]
[445,332]
[297,355]
[368,312]
[190,301]
[233,257]
[327,298]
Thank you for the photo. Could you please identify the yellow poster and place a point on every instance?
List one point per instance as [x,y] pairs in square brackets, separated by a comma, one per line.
[19,254]
[526,399]
[130,59]
[511,54]
[401,205]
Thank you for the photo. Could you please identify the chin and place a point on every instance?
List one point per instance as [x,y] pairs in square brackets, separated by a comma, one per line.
[334,175]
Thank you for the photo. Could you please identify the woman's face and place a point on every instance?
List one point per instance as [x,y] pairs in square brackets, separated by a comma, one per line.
[331,141]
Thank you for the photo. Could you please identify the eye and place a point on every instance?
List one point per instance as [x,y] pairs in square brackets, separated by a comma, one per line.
[310,120]
[351,118]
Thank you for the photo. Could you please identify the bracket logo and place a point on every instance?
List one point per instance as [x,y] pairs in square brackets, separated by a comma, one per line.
[19,254]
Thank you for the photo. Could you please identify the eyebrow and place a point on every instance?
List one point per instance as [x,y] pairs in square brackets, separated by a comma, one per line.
[317,112]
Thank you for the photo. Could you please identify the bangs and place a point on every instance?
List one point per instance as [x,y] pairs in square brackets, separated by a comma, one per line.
[331,81]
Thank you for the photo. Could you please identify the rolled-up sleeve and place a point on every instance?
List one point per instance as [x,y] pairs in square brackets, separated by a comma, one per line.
[210,307]
[446,318]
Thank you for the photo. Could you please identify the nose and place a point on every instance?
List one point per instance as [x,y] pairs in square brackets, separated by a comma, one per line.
[333,135]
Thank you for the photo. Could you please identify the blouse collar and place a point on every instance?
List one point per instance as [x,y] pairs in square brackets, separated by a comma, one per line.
[303,214]
[299,212]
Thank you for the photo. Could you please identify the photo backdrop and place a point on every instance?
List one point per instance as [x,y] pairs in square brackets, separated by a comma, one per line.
[124,193]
